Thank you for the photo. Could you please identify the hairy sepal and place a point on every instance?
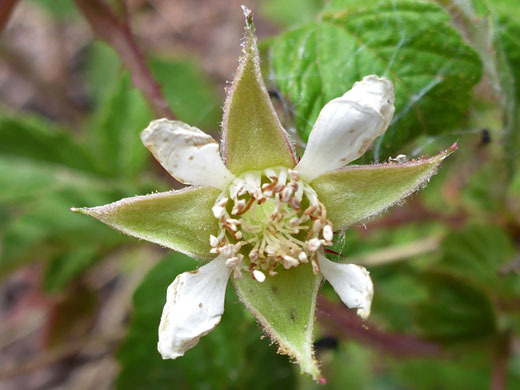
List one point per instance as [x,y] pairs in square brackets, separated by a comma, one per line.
[179,220]
[355,193]
[253,136]
[284,305]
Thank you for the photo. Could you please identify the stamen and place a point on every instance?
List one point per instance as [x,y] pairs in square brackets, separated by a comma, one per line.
[258,276]
[213,241]
[268,224]
[327,233]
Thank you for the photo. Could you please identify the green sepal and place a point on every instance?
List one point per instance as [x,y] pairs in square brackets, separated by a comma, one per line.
[179,220]
[285,305]
[253,136]
[358,192]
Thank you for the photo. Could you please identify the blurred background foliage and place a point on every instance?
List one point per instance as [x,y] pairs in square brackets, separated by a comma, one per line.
[445,264]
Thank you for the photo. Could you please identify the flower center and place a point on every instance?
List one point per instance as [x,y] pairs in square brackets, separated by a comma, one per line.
[269,219]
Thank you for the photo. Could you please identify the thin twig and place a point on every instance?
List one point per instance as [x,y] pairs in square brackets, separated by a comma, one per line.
[344,323]
[398,253]
[117,33]
[6,8]
[501,354]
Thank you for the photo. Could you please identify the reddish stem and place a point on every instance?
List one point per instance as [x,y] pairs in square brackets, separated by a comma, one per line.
[116,33]
[6,7]
[500,362]
[344,323]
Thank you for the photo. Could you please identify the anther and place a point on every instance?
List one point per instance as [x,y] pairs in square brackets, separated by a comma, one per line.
[294,222]
[290,262]
[295,204]
[253,256]
[258,276]
[213,241]
[239,206]
[302,257]
[327,233]
[314,244]
[286,194]
[218,211]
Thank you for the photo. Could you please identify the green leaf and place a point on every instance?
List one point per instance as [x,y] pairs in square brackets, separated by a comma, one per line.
[508,54]
[179,220]
[62,269]
[101,65]
[479,252]
[456,311]
[469,370]
[357,192]
[253,136]
[285,305]
[188,91]
[116,136]
[494,37]
[45,228]
[291,12]
[230,357]
[410,42]
[36,140]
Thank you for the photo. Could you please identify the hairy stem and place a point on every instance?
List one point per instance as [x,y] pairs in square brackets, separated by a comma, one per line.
[117,33]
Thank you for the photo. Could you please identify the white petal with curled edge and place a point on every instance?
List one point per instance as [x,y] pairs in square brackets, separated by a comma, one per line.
[351,282]
[194,307]
[187,153]
[347,126]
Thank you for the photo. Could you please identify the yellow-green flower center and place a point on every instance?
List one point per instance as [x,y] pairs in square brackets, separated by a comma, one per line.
[268,219]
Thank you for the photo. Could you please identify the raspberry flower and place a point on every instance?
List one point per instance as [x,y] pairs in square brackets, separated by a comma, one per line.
[262,218]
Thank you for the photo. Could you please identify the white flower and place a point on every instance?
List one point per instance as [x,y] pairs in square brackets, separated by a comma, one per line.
[268,218]
[263,219]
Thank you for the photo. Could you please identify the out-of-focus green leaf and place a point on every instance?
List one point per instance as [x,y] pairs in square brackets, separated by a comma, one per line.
[506,7]
[230,357]
[101,72]
[121,118]
[47,228]
[291,12]
[410,42]
[58,8]
[508,54]
[465,372]
[62,269]
[457,309]
[37,140]
[191,96]
[44,172]
[479,252]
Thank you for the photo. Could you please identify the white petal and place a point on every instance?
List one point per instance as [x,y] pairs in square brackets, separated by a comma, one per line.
[347,126]
[351,282]
[194,306]
[187,153]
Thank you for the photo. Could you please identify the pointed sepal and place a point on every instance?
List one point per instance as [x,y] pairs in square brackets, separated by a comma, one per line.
[253,136]
[357,192]
[179,220]
[284,305]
